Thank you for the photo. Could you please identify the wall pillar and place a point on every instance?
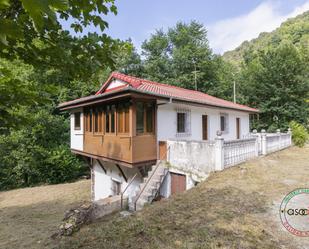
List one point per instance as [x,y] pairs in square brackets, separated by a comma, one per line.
[279,134]
[219,152]
[290,133]
[263,141]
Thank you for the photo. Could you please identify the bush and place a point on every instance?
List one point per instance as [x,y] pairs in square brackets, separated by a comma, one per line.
[299,134]
[38,153]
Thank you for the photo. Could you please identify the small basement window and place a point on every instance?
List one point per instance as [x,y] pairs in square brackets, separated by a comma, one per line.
[77,120]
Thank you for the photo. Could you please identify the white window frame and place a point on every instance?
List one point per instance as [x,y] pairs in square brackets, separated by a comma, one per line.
[187,113]
[226,122]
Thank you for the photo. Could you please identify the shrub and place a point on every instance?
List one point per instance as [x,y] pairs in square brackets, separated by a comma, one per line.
[299,134]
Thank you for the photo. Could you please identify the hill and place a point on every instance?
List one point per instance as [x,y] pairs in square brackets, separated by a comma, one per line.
[234,208]
[294,30]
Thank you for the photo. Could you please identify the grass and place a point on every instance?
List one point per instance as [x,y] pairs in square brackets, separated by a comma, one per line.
[31,215]
[235,208]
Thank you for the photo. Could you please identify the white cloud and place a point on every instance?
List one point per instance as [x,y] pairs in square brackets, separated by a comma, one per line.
[230,33]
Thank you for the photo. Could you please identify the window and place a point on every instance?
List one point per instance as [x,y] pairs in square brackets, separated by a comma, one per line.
[144,117]
[149,118]
[123,118]
[86,117]
[96,121]
[98,124]
[139,117]
[107,120]
[110,119]
[224,122]
[90,121]
[116,187]
[77,120]
[181,122]
[112,115]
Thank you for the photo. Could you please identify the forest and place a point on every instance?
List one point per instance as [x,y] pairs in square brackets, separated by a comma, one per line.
[42,65]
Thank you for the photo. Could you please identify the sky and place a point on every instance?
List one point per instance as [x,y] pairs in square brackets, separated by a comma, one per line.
[228,23]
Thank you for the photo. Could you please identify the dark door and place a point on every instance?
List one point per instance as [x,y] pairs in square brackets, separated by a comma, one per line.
[178,183]
[238,128]
[205,127]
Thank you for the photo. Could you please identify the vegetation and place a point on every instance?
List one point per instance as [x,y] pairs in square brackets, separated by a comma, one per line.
[215,214]
[299,134]
[295,30]
[41,65]
[276,81]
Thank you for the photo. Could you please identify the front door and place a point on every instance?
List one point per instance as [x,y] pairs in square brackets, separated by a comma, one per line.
[178,183]
[238,128]
[205,127]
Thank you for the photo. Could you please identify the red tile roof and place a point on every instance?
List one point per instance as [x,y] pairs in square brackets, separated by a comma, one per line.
[170,91]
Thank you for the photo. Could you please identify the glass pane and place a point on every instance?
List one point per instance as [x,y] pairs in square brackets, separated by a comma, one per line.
[181,122]
[127,120]
[90,121]
[100,122]
[107,121]
[139,117]
[222,123]
[149,118]
[96,121]
[113,119]
[77,120]
[120,120]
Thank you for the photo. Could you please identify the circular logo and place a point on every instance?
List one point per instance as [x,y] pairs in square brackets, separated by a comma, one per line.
[294,212]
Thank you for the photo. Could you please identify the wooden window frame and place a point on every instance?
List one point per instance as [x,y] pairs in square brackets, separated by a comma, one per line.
[123,109]
[77,127]
[145,118]
[109,109]
[101,123]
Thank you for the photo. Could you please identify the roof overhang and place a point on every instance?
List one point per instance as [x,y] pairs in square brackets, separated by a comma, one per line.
[131,92]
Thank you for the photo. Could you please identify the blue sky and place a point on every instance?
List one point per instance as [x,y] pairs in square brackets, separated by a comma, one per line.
[229,23]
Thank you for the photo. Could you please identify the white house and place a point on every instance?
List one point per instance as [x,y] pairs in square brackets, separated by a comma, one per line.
[122,131]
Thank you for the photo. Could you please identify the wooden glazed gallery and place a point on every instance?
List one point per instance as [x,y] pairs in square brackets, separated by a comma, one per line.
[122,131]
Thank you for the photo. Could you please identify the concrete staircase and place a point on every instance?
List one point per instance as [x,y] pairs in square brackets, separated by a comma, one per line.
[150,186]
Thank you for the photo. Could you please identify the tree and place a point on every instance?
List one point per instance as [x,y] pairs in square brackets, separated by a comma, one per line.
[276,82]
[20,16]
[181,56]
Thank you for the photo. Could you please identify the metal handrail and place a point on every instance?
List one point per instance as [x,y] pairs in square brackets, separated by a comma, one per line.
[122,193]
[149,178]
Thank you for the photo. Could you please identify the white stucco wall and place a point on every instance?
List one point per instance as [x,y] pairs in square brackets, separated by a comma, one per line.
[77,139]
[167,122]
[165,190]
[193,157]
[103,181]
[115,84]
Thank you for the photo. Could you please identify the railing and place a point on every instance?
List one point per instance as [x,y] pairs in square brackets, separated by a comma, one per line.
[149,178]
[122,193]
[238,151]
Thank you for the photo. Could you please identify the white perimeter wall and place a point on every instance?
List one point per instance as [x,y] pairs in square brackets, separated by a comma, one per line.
[103,182]
[77,138]
[167,122]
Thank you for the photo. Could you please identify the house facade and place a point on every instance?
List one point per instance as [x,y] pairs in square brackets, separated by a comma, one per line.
[122,132]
